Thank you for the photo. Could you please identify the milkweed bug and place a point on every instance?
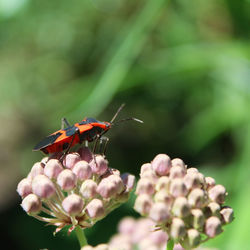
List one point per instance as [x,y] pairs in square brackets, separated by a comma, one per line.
[88,129]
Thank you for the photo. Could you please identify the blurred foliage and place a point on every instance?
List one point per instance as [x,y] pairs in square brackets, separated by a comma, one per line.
[182,67]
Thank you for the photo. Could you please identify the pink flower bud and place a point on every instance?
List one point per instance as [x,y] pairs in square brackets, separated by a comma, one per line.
[181,207]
[143,204]
[210,182]
[227,214]
[66,180]
[145,167]
[85,154]
[213,208]
[177,172]
[127,226]
[217,194]
[99,165]
[53,168]
[36,169]
[42,186]
[102,247]
[150,174]
[163,183]
[196,198]
[106,188]
[194,238]
[158,238]
[95,209]
[161,164]
[82,170]
[128,181]
[178,162]
[163,196]
[178,188]
[73,204]
[177,229]
[213,226]
[159,212]
[71,159]
[198,218]
[192,170]
[31,204]
[192,180]
[145,186]
[24,187]
[117,181]
[88,189]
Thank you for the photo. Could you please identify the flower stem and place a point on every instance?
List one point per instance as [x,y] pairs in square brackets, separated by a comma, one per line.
[170,244]
[81,236]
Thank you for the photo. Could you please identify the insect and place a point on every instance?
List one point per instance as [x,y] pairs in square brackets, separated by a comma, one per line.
[89,129]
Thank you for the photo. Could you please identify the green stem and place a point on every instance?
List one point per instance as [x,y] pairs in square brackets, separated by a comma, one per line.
[81,236]
[170,244]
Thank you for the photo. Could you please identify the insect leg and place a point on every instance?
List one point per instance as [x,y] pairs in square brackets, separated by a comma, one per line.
[103,144]
[64,122]
[68,148]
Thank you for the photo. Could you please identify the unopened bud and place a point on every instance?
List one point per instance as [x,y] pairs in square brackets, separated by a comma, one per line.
[210,182]
[145,186]
[106,188]
[143,204]
[213,209]
[117,181]
[161,164]
[192,170]
[181,207]
[88,189]
[128,181]
[178,188]
[217,194]
[127,226]
[163,183]
[71,159]
[227,214]
[177,229]
[73,204]
[66,180]
[102,247]
[85,154]
[95,209]
[213,226]
[99,165]
[158,238]
[159,212]
[178,162]
[42,186]
[87,248]
[53,168]
[163,196]
[194,238]
[177,172]
[192,180]
[24,187]
[82,170]
[145,167]
[198,218]
[196,198]
[36,169]
[31,204]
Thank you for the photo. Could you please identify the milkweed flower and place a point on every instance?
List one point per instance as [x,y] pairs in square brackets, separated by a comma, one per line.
[183,203]
[140,234]
[78,191]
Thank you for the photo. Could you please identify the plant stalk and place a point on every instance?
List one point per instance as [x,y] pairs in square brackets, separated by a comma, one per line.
[81,236]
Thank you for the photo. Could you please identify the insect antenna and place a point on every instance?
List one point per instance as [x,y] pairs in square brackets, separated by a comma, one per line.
[127,119]
[117,112]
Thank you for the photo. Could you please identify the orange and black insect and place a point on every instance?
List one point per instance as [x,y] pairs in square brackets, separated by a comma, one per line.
[88,129]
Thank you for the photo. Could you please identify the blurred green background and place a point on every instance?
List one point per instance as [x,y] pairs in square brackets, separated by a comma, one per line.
[183,67]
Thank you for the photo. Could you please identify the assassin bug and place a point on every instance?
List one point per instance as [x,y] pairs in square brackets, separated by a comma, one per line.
[89,129]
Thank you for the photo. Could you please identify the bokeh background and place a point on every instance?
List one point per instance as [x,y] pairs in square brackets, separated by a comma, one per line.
[183,67]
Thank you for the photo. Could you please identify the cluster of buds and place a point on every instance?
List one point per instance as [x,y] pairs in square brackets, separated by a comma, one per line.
[134,234]
[79,190]
[181,201]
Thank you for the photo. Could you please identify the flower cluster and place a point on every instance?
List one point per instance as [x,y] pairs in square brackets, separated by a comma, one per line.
[134,234]
[181,201]
[79,190]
